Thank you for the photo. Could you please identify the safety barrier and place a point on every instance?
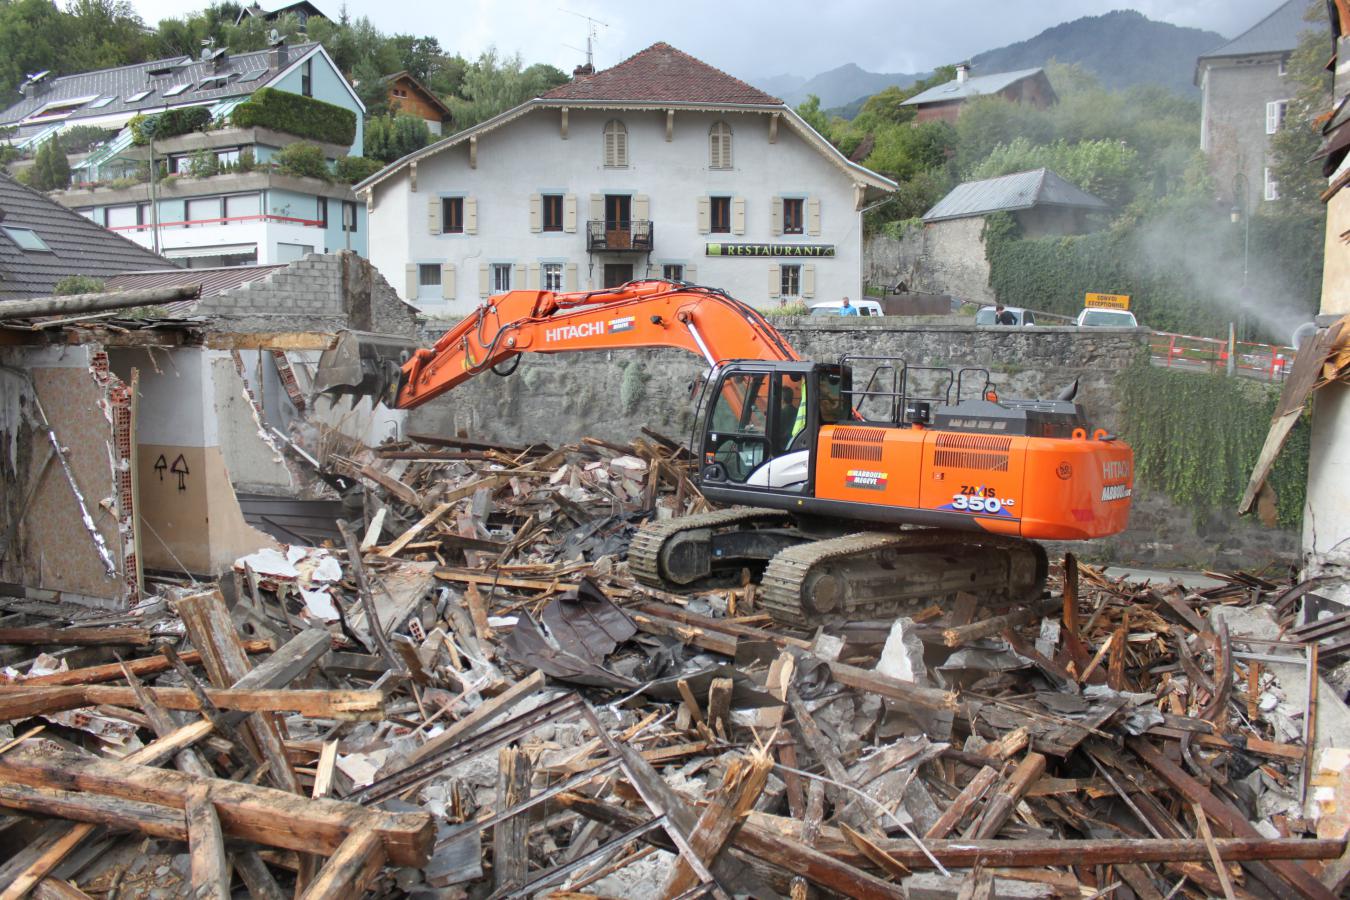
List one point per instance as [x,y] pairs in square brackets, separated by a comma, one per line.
[1269,362]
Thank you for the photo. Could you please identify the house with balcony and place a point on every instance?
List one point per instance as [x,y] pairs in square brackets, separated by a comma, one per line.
[208,192]
[661,166]
[1245,92]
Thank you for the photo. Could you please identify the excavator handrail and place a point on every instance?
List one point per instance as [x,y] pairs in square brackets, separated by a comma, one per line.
[650,313]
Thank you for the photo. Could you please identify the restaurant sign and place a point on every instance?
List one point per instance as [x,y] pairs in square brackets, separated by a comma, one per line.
[826,250]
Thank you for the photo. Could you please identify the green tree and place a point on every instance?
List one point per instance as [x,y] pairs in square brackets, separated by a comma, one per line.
[392,137]
[1301,181]
[809,109]
[492,85]
[33,34]
[50,170]
[902,151]
[1108,170]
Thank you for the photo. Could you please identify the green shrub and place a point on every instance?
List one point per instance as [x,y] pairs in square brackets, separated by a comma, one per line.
[302,160]
[247,162]
[392,137]
[351,169]
[1197,436]
[81,138]
[301,116]
[78,284]
[168,124]
[203,164]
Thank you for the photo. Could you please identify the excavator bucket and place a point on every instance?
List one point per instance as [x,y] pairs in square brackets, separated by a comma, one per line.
[363,364]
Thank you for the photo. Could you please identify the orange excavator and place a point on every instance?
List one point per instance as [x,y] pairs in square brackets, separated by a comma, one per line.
[857,488]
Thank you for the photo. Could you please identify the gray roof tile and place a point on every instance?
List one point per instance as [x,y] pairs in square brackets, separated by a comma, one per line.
[973,86]
[1276,33]
[1022,190]
[252,71]
[79,247]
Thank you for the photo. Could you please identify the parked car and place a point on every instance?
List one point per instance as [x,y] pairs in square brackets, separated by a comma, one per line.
[832,307]
[1106,318]
[985,316]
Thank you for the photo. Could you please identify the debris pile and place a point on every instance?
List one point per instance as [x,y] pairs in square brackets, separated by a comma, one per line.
[470,696]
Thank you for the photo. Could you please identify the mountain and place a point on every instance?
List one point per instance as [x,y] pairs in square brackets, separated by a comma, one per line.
[842,85]
[1122,48]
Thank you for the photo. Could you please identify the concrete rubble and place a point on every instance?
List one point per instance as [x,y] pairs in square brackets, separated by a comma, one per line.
[466,694]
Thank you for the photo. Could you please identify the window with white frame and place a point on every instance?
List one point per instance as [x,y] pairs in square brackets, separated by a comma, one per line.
[616,145]
[1272,185]
[428,276]
[792,281]
[719,146]
[553,276]
[501,278]
[1275,113]
[1284,66]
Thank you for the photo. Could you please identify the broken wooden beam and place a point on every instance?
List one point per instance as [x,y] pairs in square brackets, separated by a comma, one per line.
[150,665]
[247,812]
[22,701]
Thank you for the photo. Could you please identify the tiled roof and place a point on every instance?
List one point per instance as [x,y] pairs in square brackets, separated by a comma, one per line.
[78,246]
[245,73]
[1276,33]
[1021,190]
[662,74]
[973,86]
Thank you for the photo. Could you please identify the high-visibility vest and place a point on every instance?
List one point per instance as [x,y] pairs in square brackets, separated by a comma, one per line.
[799,425]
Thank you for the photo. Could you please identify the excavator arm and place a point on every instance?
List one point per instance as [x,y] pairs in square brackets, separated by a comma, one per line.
[704,321]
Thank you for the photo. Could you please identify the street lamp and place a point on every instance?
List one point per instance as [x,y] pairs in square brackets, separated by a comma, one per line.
[1241,212]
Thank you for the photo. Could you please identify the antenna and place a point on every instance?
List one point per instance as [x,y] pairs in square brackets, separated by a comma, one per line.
[591,32]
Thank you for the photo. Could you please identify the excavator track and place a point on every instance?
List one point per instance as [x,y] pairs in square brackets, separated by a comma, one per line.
[676,554]
[880,575]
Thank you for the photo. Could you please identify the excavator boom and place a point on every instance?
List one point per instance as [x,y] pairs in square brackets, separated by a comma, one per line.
[702,320]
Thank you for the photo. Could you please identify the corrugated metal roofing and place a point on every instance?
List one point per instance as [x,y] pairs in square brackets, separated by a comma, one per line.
[1276,33]
[1021,190]
[213,281]
[77,245]
[246,71]
[973,86]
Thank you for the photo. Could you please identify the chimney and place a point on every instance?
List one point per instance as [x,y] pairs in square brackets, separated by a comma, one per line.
[583,71]
[222,59]
[276,59]
[962,72]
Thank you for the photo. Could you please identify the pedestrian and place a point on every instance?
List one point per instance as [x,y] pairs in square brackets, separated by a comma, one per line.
[848,309]
[1004,316]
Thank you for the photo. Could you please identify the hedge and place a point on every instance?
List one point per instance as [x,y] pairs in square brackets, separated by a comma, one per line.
[351,169]
[1197,436]
[1183,267]
[294,114]
[169,123]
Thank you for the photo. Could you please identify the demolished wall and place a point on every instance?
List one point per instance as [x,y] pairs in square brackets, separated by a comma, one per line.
[69,521]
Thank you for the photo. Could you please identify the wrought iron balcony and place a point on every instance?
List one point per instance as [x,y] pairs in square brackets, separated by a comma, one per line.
[619,237]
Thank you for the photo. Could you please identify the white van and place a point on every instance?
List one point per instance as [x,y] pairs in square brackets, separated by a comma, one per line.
[832,307]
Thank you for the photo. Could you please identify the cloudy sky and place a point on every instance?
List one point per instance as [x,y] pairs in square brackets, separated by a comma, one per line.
[757,39]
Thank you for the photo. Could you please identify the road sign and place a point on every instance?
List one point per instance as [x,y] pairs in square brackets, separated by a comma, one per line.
[1107,301]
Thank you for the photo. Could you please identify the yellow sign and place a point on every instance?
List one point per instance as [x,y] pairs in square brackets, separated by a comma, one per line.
[1107,301]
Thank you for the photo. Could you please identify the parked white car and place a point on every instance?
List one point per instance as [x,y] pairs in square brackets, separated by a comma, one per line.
[985,316]
[1093,317]
[832,307]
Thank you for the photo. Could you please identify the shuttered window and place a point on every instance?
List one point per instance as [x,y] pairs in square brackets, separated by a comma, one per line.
[792,215]
[553,276]
[719,146]
[616,145]
[452,215]
[721,215]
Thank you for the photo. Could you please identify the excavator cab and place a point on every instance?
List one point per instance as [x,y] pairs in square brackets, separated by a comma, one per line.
[761,421]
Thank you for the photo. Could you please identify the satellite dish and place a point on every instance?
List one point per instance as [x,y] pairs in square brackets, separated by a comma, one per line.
[273,36]
[1301,334]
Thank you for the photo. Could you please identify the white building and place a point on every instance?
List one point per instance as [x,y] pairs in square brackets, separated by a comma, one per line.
[661,166]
